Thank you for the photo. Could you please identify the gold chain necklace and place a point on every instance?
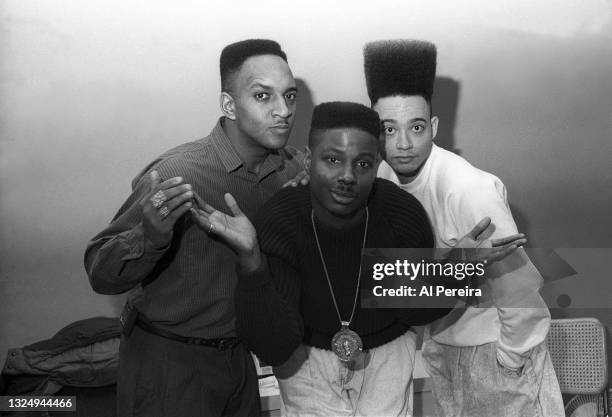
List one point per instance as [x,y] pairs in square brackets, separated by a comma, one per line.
[346,344]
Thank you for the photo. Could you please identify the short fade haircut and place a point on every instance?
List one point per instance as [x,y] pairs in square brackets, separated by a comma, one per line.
[234,55]
[400,67]
[342,114]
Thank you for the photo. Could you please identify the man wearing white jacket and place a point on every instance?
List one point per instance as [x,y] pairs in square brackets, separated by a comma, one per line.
[490,358]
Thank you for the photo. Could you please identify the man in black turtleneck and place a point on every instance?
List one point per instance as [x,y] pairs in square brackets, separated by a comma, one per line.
[297,297]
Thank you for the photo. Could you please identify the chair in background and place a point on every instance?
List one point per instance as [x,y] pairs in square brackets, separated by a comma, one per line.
[578,351]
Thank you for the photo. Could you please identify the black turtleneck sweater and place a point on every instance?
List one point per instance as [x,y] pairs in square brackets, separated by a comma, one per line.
[287,300]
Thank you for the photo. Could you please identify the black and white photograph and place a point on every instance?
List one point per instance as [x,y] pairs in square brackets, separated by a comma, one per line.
[305,208]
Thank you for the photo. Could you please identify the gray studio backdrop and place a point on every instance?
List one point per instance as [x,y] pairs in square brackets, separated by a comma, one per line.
[91,91]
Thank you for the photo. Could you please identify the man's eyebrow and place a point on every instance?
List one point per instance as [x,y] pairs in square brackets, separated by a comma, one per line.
[388,120]
[258,84]
[366,155]
[338,150]
[331,149]
[416,119]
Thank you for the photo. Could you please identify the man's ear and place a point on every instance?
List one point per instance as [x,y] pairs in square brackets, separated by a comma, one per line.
[228,106]
[307,159]
[434,126]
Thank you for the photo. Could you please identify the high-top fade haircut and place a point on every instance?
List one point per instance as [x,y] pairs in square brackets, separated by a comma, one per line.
[343,114]
[234,55]
[402,67]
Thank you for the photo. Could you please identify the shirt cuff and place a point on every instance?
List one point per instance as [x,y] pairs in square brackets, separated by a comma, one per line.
[257,278]
[511,361]
[136,246]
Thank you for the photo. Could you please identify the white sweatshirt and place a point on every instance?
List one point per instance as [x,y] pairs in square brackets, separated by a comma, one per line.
[456,196]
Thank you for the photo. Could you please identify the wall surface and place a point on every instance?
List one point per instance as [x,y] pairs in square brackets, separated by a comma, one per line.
[91,91]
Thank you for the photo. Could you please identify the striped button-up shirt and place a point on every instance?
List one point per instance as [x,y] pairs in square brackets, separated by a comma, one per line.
[187,288]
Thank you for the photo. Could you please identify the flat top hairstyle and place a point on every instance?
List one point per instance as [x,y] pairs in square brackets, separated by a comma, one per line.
[342,114]
[400,67]
[234,55]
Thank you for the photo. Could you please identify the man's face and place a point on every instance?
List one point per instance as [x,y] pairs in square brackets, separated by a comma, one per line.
[264,94]
[342,167]
[408,132]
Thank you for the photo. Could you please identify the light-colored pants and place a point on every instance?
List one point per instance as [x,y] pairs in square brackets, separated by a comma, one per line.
[469,382]
[314,382]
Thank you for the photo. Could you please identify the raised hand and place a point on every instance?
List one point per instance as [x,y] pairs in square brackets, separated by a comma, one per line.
[165,203]
[301,178]
[485,250]
[236,229]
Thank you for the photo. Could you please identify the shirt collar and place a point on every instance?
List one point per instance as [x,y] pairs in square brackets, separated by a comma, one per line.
[228,155]
[274,161]
[230,158]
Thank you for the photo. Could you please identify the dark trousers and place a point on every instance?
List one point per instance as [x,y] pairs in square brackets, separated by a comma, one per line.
[159,377]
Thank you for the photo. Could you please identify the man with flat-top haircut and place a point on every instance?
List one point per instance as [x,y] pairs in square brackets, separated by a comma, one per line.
[179,354]
[489,359]
[297,300]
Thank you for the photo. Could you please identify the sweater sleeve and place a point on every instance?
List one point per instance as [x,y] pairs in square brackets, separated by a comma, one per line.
[267,300]
[513,282]
[268,322]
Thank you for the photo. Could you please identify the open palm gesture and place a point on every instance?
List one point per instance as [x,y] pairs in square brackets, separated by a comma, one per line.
[479,248]
[236,229]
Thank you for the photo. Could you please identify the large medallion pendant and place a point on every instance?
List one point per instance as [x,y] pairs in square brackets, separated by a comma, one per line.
[346,344]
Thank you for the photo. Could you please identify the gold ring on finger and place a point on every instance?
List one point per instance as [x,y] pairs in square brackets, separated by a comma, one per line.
[158,199]
[163,212]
